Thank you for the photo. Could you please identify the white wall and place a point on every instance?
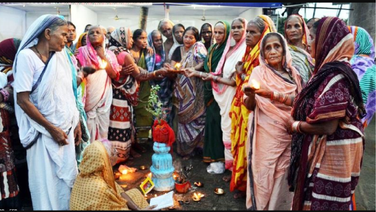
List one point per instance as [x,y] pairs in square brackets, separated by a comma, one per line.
[12,22]
[251,13]
[81,16]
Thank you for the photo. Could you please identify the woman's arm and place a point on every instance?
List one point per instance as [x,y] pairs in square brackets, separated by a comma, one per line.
[275,96]
[23,100]
[249,101]
[323,128]
[110,71]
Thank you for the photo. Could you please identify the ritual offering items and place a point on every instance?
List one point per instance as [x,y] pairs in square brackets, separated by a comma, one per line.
[163,137]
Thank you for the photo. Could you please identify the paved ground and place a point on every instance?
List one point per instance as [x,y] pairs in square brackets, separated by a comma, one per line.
[365,192]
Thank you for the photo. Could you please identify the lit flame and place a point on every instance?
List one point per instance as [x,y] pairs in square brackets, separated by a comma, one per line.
[255,84]
[150,175]
[177,66]
[197,196]
[124,172]
[175,176]
[103,64]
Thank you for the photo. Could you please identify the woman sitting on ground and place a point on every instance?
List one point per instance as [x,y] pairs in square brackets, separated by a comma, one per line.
[95,187]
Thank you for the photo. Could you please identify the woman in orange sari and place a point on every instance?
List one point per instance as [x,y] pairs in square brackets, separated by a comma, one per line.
[256,30]
[271,104]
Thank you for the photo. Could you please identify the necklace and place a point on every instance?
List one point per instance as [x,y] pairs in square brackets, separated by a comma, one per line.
[39,54]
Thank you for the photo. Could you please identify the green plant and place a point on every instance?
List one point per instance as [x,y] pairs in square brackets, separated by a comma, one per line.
[155,105]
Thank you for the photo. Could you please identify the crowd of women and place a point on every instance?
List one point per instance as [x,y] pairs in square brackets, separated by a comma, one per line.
[284,113]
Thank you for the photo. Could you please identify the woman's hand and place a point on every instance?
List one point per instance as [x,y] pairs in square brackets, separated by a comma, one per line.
[150,207]
[207,77]
[161,73]
[248,90]
[127,70]
[77,134]
[88,70]
[59,135]
[149,50]
[239,67]
[288,124]
[190,72]
[263,92]
[100,51]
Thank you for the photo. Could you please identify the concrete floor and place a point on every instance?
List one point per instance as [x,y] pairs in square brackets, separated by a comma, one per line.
[365,192]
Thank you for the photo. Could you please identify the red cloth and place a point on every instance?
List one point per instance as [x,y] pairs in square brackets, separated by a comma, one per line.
[163,133]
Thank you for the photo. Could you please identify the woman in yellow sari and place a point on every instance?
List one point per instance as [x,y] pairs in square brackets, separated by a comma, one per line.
[258,27]
[95,187]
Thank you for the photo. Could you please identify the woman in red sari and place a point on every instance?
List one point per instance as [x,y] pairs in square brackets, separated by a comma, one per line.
[328,141]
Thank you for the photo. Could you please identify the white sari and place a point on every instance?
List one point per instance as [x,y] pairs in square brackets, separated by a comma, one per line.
[52,168]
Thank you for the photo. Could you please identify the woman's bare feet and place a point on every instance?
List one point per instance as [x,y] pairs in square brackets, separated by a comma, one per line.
[239,194]
[227,178]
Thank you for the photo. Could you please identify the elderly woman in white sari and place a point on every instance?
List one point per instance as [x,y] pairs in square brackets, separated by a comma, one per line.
[46,112]
[98,88]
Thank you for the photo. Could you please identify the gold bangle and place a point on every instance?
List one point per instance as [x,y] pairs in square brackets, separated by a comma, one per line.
[154,74]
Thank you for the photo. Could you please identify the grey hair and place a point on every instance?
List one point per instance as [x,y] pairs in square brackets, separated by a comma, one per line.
[155,33]
[259,22]
[242,20]
[58,23]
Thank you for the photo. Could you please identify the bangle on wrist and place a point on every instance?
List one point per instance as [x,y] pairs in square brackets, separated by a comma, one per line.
[298,128]
[294,126]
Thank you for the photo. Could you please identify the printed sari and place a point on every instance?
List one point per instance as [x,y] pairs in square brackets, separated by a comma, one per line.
[8,131]
[191,107]
[95,187]
[124,97]
[324,169]
[364,66]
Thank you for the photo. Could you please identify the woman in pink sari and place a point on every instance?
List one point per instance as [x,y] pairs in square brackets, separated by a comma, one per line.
[98,90]
[270,150]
